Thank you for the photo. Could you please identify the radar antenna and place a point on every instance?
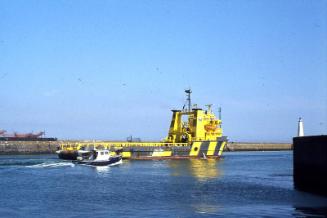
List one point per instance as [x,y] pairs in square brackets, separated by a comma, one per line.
[188,94]
[209,107]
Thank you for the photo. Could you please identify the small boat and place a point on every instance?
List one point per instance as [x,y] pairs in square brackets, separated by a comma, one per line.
[98,158]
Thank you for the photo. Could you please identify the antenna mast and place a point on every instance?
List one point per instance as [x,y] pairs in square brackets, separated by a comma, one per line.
[219,111]
[188,94]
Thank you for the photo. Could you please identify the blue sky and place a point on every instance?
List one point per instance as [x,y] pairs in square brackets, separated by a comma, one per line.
[110,69]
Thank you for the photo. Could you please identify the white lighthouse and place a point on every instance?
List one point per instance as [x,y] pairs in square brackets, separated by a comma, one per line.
[300,130]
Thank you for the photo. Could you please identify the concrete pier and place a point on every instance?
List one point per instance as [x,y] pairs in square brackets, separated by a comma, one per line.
[310,164]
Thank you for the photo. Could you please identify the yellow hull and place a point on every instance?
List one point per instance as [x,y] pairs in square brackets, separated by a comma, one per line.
[148,150]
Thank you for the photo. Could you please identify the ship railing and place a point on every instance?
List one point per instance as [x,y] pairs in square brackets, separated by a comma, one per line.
[109,145]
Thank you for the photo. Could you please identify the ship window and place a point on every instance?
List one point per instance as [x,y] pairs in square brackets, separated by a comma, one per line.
[196,148]
[106,152]
[102,153]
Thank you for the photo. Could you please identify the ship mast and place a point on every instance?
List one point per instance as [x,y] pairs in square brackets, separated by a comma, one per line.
[188,94]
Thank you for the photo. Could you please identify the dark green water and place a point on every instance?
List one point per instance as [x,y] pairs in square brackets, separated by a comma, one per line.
[242,184]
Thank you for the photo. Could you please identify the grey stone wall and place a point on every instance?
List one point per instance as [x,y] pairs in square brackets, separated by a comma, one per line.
[241,146]
[28,147]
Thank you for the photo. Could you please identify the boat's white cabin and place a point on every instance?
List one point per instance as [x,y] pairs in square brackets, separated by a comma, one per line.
[102,154]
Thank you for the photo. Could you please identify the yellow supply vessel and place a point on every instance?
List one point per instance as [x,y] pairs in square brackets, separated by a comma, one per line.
[193,133]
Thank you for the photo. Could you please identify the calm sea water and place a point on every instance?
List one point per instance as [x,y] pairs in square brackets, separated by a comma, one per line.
[241,184]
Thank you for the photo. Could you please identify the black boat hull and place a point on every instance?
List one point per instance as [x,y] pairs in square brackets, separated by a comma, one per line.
[68,155]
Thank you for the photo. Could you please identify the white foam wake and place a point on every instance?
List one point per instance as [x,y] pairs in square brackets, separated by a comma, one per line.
[52,165]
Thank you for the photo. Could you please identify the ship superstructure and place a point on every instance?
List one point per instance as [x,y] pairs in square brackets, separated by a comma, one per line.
[193,133]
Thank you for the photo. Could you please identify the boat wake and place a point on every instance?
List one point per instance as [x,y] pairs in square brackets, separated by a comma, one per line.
[17,163]
[51,165]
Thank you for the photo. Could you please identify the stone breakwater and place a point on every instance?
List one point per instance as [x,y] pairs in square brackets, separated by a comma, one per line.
[28,147]
[248,146]
[49,147]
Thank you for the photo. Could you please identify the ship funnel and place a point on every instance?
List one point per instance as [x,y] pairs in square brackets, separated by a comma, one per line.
[300,130]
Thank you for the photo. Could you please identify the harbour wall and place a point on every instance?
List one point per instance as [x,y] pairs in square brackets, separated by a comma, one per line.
[255,146]
[49,147]
[310,164]
[28,147]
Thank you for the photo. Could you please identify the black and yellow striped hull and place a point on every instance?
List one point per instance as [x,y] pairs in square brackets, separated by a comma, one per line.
[198,149]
